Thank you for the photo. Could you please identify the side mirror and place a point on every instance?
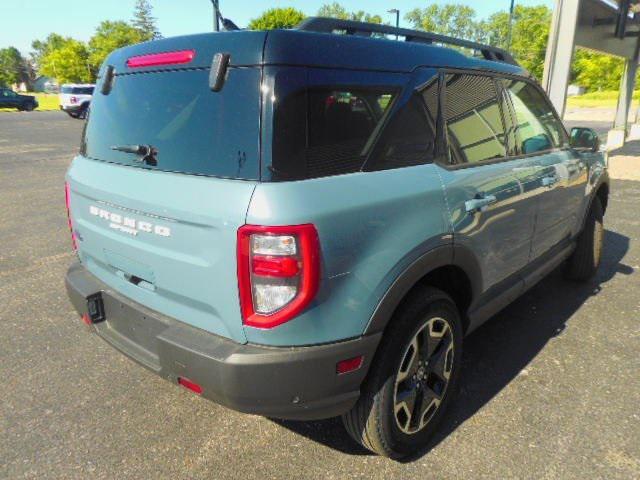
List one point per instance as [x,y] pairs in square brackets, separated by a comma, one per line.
[584,139]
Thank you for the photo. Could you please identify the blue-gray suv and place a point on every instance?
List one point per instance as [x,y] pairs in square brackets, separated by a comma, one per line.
[305,224]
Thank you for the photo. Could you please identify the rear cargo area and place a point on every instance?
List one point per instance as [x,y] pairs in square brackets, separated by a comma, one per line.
[164,178]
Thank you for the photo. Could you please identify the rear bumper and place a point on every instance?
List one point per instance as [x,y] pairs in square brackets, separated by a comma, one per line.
[282,382]
[71,108]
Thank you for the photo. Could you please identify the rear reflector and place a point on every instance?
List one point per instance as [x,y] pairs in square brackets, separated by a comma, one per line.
[86,319]
[188,384]
[164,58]
[349,365]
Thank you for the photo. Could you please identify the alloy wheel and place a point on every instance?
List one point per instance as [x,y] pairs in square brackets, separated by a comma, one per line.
[423,376]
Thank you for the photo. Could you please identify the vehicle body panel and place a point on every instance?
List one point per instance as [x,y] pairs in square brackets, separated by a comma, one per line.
[372,226]
[189,274]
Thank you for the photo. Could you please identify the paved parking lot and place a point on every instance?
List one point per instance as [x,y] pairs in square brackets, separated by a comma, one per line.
[551,386]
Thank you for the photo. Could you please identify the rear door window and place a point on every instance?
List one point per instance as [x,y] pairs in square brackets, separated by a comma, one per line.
[473,116]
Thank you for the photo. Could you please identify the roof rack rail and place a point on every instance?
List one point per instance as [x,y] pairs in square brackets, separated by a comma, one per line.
[350,27]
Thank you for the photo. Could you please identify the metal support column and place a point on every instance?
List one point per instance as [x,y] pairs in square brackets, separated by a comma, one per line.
[557,66]
[627,85]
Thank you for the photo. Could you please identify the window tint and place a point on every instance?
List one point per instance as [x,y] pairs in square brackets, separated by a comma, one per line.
[474,120]
[323,132]
[537,128]
[78,90]
[409,138]
[194,130]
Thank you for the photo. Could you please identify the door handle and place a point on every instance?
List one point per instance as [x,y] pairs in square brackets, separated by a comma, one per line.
[549,181]
[479,204]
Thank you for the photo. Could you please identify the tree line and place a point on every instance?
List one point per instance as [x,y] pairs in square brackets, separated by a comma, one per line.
[70,60]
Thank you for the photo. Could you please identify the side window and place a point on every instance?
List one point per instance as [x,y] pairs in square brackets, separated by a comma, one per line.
[537,128]
[409,138]
[340,122]
[473,117]
[326,131]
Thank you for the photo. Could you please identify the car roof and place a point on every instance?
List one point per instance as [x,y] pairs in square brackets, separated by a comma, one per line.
[308,48]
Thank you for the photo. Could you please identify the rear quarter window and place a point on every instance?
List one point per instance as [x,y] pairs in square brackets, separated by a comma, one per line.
[326,131]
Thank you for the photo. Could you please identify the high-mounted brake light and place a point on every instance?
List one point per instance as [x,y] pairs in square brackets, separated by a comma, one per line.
[164,58]
[278,272]
[67,201]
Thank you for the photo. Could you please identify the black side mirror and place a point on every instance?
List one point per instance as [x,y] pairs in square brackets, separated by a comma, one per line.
[585,139]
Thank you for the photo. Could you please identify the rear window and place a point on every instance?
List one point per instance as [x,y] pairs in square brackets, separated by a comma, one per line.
[334,134]
[78,90]
[193,129]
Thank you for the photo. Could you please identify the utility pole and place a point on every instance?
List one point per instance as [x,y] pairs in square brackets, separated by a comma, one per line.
[508,46]
[216,16]
[397,12]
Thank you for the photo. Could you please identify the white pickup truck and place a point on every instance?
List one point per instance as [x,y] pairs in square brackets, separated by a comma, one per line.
[75,99]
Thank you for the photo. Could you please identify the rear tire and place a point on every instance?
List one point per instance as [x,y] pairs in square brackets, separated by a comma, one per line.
[413,377]
[585,259]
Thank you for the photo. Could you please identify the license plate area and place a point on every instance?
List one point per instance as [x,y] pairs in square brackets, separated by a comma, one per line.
[95,308]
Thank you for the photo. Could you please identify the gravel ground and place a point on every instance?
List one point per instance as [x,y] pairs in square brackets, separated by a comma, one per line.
[551,385]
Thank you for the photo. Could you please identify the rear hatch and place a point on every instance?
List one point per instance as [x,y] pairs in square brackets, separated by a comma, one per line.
[161,228]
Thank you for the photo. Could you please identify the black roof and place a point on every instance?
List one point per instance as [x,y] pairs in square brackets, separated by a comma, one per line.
[313,45]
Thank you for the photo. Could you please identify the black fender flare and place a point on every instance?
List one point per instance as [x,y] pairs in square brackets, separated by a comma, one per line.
[441,256]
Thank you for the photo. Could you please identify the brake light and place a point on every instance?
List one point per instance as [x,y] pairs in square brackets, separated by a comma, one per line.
[67,200]
[278,272]
[73,99]
[164,58]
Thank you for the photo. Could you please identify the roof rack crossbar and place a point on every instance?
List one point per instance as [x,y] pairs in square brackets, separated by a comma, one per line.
[350,27]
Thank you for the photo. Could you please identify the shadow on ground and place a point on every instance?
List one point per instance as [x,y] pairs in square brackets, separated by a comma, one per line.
[629,149]
[498,351]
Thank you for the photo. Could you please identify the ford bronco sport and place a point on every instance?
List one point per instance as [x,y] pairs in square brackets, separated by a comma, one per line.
[305,224]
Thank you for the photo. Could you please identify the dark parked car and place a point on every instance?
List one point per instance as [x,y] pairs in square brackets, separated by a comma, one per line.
[10,99]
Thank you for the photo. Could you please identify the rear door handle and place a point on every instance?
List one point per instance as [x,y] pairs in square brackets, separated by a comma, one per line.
[479,204]
[549,181]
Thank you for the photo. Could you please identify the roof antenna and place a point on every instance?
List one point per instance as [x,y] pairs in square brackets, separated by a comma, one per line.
[227,24]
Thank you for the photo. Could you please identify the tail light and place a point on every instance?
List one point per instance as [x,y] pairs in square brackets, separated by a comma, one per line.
[67,200]
[278,272]
[73,100]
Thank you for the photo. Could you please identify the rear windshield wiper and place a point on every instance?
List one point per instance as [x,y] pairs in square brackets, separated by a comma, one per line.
[146,152]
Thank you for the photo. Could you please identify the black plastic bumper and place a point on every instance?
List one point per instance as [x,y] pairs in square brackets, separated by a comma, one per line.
[282,382]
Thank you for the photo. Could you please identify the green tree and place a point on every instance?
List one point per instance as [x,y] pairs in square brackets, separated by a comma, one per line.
[335,10]
[450,19]
[42,47]
[68,62]
[13,68]
[529,35]
[144,21]
[108,37]
[596,71]
[277,18]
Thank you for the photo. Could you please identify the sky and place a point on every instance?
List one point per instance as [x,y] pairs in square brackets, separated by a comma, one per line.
[26,20]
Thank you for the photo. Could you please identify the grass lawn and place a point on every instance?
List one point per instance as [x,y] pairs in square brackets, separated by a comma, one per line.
[47,101]
[598,99]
